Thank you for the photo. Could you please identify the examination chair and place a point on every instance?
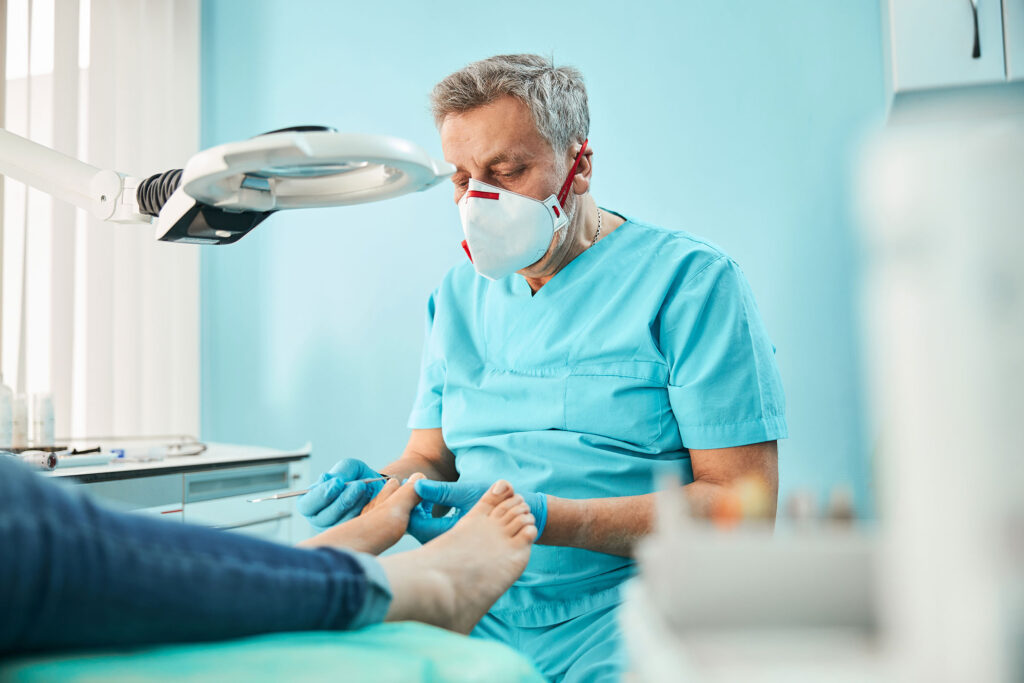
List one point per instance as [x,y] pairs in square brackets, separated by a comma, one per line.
[400,652]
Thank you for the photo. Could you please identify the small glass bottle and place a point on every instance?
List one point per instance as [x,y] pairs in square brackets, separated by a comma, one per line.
[6,414]
[19,422]
[42,420]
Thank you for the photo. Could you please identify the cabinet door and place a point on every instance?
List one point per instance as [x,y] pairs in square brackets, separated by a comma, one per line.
[171,512]
[932,43]
[270,520]
[161,494]
[220,498]
[299,472]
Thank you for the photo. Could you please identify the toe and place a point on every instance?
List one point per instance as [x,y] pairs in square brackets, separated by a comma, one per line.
[502,509]
[500,491]
[404,497]
[383,496]
[514,511]
[514,525]
[528,534]
[390,486]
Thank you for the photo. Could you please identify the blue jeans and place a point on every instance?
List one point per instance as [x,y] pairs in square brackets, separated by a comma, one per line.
[74,574]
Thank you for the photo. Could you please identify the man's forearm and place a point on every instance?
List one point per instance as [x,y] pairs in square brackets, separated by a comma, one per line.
[410,463]
[427,453]
[607,525]
[614,525]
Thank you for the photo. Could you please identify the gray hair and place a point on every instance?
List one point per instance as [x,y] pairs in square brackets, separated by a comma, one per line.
[556,96]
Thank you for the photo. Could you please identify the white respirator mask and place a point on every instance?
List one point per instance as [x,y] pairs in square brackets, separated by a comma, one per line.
[505,231]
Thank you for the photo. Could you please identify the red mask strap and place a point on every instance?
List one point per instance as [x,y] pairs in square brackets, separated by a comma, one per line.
[563,194]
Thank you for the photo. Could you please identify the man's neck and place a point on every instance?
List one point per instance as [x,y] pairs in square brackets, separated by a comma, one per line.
[583,241]
[609,222]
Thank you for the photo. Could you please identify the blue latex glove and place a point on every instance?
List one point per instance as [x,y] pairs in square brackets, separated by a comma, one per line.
[460,496]
[333,499]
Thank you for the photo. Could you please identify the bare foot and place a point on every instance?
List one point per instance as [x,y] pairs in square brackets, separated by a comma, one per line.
[453,580]
[380,525]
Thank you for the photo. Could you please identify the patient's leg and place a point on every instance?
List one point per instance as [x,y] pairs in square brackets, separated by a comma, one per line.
[74,573]
[453,580]
[381,524]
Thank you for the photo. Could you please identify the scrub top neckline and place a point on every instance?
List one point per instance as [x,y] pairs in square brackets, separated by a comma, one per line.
[521,288]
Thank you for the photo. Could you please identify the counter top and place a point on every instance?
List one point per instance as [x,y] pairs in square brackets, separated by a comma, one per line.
[216,456]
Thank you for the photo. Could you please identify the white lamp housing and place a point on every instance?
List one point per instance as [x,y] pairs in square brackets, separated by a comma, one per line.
[298,169]
[227,190]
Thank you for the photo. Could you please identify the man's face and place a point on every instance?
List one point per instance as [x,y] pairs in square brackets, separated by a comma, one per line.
[498,144]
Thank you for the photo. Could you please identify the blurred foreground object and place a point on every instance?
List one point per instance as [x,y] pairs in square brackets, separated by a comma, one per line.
[942,190]
[726,599]
[935,593]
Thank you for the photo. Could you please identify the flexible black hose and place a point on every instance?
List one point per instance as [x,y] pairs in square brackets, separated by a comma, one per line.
[155,190]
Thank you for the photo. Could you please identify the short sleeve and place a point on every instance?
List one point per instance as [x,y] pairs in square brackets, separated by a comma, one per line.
[426,409]
[724,385]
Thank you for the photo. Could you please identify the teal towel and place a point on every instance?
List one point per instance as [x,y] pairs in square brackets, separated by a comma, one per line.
[404,653]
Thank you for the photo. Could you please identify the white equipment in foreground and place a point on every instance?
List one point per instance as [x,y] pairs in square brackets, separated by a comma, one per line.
[226,191]
[935,593]
[943,193]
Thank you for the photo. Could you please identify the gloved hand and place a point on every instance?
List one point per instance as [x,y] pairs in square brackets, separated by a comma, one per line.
[460,496]
[333,499]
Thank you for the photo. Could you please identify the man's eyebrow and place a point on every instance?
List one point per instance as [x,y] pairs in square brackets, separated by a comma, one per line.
[507,158]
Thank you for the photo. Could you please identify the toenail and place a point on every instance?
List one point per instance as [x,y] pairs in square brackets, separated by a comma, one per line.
[500,487]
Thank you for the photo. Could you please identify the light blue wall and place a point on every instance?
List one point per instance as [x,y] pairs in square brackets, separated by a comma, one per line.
[733,120]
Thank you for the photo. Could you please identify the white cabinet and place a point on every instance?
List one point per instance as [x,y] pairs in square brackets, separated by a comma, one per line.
[211,490]
[949,43]
[220,499]
[269,519]
[157,495]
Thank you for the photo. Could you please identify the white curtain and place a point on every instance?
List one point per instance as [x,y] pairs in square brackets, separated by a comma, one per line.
[111,325]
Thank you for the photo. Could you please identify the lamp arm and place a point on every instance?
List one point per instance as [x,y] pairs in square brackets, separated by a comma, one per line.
[225,191]
[107,195]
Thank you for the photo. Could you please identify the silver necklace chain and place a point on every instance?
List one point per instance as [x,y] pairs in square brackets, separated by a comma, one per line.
[598,233]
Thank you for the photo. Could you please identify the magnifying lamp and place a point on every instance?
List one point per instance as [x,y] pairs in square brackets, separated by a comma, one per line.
[226,191]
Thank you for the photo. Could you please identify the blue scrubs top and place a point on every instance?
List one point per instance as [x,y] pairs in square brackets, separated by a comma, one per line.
[645,345]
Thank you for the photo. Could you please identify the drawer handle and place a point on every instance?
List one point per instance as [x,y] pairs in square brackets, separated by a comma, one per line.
[976,53]
[254,522]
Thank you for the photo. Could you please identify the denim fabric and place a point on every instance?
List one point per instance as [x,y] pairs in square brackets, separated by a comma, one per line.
[75,574]
[378,592]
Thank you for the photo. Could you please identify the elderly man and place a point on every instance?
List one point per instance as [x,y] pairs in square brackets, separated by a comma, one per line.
[576,352]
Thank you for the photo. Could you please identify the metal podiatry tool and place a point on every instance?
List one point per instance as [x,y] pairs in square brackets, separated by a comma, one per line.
[292,494]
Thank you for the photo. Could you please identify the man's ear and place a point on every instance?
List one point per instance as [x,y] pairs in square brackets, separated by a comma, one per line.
[581,180]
